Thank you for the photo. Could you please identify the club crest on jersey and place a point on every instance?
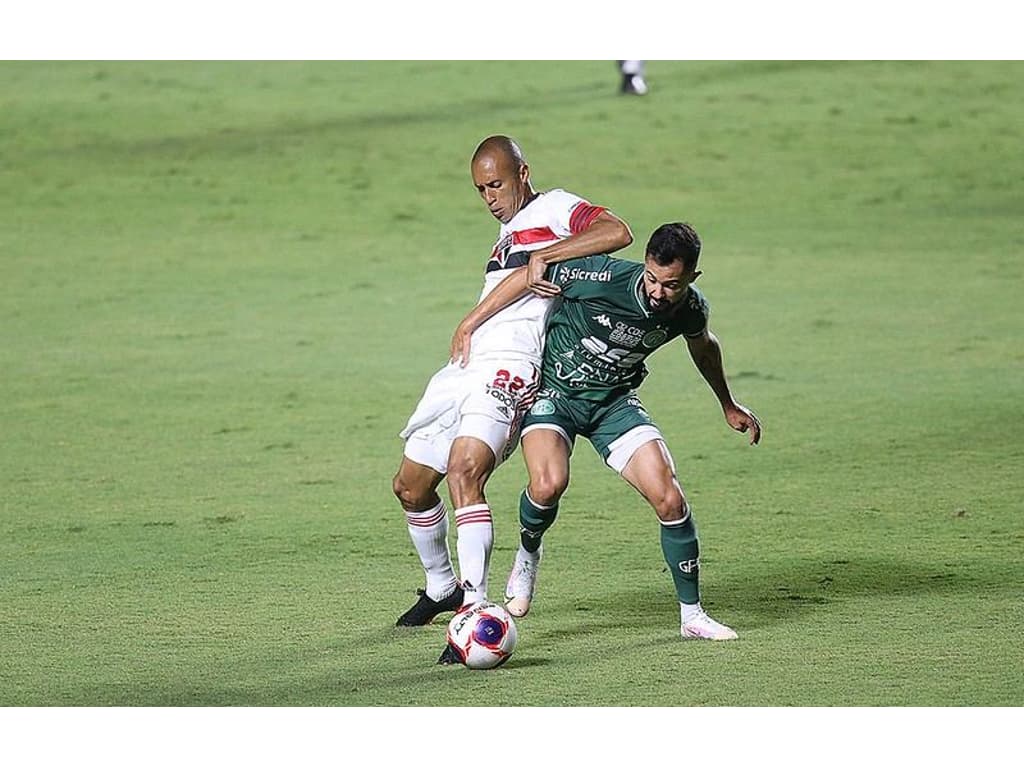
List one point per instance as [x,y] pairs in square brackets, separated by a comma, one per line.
[655,338]
[501,252]
[543,408]
[503,257]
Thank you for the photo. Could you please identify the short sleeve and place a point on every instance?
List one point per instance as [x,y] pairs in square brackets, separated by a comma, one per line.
[573,213]
[696,312]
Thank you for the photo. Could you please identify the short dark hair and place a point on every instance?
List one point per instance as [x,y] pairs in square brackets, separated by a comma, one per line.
[501,145]
[674,242]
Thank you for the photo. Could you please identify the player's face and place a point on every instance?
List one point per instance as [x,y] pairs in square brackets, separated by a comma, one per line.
[503,187]
[666,286]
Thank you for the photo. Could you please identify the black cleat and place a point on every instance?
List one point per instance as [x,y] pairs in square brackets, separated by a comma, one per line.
[425,609]
[634,85]
[450,656]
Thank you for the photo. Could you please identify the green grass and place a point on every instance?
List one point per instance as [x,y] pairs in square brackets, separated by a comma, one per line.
[223,287]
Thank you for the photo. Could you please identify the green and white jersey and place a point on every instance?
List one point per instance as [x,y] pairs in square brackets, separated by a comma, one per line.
[602,331]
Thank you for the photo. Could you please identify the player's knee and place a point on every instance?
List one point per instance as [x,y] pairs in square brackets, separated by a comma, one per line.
[411,498]
[669,506]
[546,490]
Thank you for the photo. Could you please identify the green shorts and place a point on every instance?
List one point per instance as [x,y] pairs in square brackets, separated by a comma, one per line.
[615,427]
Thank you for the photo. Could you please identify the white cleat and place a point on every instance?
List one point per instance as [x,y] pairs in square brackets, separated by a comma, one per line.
[703,627]
[522,582]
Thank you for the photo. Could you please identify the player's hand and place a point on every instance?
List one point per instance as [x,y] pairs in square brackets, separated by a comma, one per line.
[535,279]
[460,344]
[743,419]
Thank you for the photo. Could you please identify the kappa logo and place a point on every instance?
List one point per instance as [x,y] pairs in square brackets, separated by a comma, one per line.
[603,320]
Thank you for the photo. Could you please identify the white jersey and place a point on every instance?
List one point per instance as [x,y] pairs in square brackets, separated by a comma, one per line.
[518,330]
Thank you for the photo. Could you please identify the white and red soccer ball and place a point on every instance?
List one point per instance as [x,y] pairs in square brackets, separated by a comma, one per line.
[483,635]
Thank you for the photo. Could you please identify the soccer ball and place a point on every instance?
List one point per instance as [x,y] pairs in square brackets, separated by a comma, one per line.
[483,636]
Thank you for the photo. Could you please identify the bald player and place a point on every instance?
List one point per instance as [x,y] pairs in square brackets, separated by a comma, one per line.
[468,419]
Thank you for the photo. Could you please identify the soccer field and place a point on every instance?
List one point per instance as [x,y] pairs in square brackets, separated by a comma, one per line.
[224,286]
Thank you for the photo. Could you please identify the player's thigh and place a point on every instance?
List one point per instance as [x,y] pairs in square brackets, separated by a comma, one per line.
[434,423]
[617,429]
[651,471]
[496,403]
[549,431]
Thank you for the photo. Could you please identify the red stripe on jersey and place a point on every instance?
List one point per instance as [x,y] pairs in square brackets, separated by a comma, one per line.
[535,235]
[583,216]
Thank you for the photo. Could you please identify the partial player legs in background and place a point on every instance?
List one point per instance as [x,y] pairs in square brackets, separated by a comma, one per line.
[633,82]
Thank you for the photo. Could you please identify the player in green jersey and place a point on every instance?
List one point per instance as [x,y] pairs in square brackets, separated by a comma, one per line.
[613,314]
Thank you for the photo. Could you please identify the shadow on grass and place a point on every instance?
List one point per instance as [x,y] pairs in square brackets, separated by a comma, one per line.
[776,591]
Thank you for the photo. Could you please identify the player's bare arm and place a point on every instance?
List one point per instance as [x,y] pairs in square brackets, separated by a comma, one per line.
[606,234]
[706,352]
[509,290]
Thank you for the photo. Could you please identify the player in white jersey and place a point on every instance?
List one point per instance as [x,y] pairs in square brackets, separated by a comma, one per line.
[467,421]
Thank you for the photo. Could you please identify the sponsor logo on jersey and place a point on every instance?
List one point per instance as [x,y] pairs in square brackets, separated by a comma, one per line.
[655,338]
[576,273]
[603,320]
[501,396]
[543,408]
[627,335]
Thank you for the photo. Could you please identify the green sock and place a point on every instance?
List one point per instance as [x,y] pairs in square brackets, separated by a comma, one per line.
[682,553]
[534,520]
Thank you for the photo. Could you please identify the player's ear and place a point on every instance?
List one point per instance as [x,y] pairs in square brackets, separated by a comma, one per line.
[524,173]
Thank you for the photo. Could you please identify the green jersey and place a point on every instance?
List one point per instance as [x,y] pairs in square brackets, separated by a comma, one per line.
[602,330]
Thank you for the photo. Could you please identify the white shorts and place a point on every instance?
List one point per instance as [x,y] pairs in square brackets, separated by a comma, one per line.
[487,400]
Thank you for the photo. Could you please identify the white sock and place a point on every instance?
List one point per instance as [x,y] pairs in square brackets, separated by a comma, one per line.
[474,541]
[429,533]
[632,67]
[522,556]
[690,612]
